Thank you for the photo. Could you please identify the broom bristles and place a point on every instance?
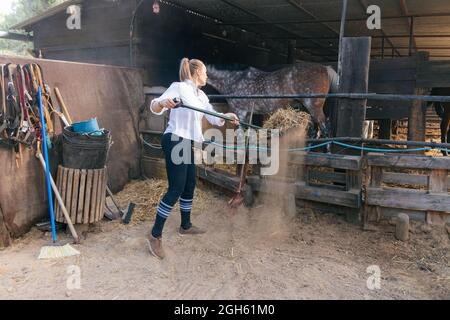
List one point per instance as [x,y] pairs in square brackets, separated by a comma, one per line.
[49,252]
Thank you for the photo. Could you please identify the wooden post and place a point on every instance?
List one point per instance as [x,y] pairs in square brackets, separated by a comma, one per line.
[355,78]
[437,184]
[416,120]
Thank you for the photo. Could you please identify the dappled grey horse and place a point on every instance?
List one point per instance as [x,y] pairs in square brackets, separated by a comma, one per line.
[302,77]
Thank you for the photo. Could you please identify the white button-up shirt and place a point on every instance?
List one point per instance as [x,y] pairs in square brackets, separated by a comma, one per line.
[183,122]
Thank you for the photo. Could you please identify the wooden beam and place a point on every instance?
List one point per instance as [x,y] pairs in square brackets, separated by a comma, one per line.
[407,199]
[350,199]
[416,119]
[351,113]
[326,160]
[408,161]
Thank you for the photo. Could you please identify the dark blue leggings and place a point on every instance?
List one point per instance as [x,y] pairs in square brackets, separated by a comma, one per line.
[181,178]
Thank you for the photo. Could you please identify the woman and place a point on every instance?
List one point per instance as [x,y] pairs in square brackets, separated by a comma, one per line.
[184,127]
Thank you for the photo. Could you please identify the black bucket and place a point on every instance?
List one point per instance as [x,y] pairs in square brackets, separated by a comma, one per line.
[83,151]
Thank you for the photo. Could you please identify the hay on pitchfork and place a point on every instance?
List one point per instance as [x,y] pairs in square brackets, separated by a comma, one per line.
[288,118]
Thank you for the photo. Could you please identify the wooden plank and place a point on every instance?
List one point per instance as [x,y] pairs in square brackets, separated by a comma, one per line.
[325,160]
[64,187]
[69,193]
[408,161]
[392,64]
[342,198]
[87,196]
[405,178]
[437,182]
[432,74]
[379,76]
[417,119]
[398,87]
[353,180]
[376,176]
[417,112]
[58,187]
[407,199]
[80,206]
[221,179]
[93,203]
[75,195]
[103,193]
[99,209]
[326,176]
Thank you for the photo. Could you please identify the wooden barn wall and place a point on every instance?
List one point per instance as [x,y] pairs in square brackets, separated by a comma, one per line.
[391,76]
[111,94]
[433,74]
[160,40]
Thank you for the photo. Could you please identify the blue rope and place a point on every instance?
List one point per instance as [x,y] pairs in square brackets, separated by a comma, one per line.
[253,147]
[332,142]
[380,150]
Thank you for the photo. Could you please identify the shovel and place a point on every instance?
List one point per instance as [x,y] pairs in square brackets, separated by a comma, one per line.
[113,211]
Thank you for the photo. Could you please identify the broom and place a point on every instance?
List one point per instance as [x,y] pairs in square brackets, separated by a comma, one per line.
[54,250]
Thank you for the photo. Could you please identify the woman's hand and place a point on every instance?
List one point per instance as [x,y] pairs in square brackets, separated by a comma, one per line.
[168,103]
[235,118]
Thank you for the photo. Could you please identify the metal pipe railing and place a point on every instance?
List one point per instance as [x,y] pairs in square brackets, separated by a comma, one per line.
[371,96]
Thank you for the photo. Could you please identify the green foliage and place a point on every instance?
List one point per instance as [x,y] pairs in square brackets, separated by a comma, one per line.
[22,10]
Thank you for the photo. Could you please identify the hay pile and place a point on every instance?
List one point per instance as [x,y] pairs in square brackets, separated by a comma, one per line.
[146,194]
[288,118]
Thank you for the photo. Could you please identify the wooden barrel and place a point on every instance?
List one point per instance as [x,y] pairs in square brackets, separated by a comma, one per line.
[83,193]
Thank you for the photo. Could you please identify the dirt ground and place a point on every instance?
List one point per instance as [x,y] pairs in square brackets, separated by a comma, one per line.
[249,254]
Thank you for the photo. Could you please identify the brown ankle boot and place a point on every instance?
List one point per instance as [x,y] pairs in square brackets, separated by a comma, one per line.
[155,247]
[192,230]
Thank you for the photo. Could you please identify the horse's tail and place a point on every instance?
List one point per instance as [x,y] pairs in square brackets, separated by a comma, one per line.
[333,77]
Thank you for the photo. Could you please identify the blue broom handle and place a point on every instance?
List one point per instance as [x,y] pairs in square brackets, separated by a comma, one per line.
[47,166]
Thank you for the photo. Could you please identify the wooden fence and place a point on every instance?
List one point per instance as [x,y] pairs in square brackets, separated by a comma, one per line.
[364,188]
[416,185]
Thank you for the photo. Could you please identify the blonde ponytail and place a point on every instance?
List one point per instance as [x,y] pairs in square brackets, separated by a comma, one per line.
[188,68]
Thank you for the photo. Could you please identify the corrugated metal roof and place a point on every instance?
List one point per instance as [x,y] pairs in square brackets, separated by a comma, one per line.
[315,23]
[52,11]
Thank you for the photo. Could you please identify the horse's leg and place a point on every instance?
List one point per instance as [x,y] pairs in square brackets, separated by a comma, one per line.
[315,108]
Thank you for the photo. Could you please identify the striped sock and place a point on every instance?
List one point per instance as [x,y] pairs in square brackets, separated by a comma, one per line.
[162,214]
[185,209]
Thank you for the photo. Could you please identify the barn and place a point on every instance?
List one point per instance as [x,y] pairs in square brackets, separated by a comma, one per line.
[405,56]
